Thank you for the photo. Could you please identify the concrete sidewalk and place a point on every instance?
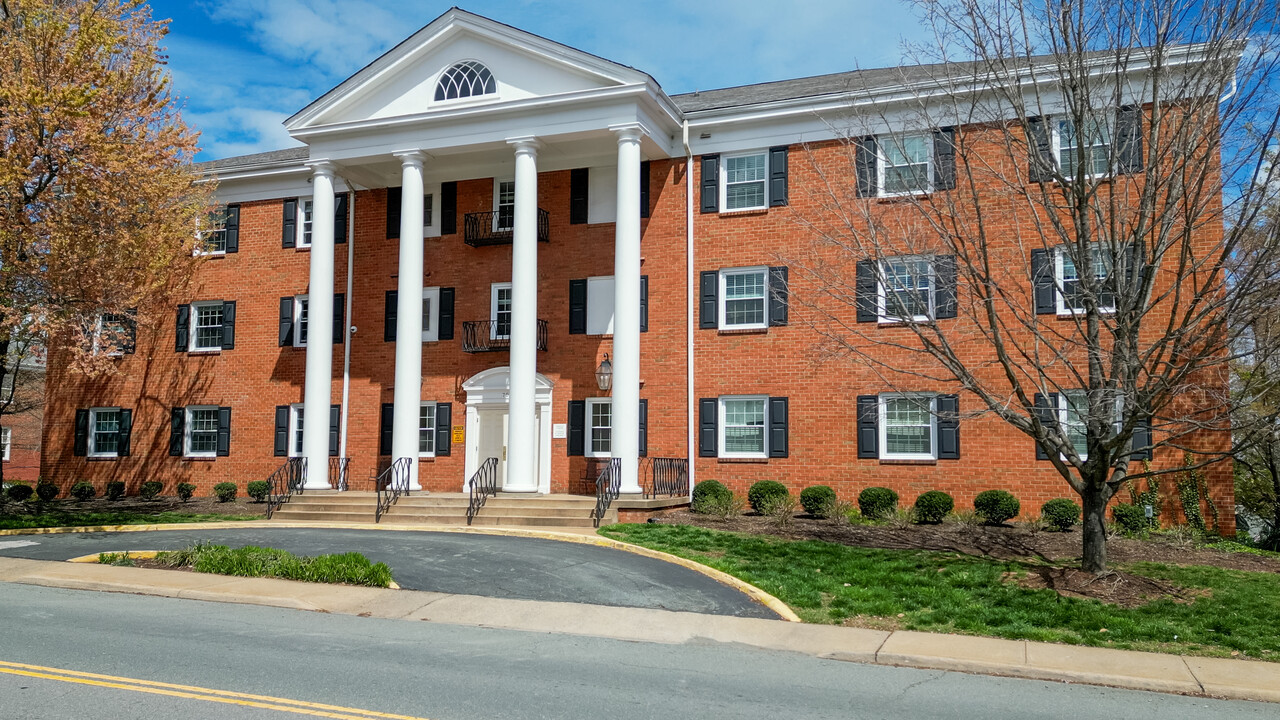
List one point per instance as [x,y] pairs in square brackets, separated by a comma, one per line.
[1232,679]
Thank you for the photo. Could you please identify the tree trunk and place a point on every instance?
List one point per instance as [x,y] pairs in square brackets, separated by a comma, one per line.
[1094,530]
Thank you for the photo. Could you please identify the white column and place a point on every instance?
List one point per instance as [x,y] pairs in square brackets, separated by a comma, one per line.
[318,387]
[408,378]
[522,471]
[626,310]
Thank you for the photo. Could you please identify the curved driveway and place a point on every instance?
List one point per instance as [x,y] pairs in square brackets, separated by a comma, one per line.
[457,563]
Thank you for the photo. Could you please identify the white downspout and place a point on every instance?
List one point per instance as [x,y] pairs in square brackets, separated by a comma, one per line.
[691,403]
[346,329]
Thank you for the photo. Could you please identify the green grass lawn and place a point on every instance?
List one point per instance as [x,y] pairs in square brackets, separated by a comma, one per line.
[123,517]
[952,593]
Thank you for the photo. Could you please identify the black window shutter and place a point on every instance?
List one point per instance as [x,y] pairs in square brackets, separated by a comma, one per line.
[865,159]
[282,430]
[1046,291]
[286,321]
[81,446]
[708,427]
[577,427]
[578,183]
[868,426]
[948,412]
[1129,146]
[335,425]
[229,325]
[182,329]
[444,321]
[384,430]
[289,229]
[232,227]
[340,218]
[448,208]
[644,189]
[1047,409]
[578,307]
[778,299]
[944,159]
[339,317]
[124,436]
[710,183]
[130,343]
[1039,150]
[709,300]
[177,425]
[944,299]
[778,421]
[865,297]
[778,176]
[644,428]
[393,213]
[224,431]
[644,303]
[444,423]
[1142,440]
[389,318]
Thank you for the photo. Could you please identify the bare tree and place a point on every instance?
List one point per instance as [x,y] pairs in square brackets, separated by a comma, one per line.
[1070,256]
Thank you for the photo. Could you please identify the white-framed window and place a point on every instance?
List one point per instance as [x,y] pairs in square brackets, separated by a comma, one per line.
[905,289]
[305,222]
[1067,276]
[465,79]
[908,427]
[504,204]
[212,234]
[6,440]
[906,164]
[430,228]
[500,311]
[206,325]
[746,181]
[599,427]
[743,419]
[600,305]
[427,430]
[1090,146]
[201,436]
[300,304]
[430,314]
[104,432]
[744,294]
[108,333]
[1073,416]
[295,430]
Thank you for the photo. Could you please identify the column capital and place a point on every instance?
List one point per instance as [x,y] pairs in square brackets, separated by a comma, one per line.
[528,144]
[411,158]
[323,168]
[629,132]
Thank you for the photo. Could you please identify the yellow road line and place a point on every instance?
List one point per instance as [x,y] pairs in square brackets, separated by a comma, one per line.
[267,702]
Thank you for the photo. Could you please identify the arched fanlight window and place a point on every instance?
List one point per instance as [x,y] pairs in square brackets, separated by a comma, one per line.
[465,79]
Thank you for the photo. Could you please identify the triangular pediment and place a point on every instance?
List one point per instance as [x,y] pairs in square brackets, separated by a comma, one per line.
[403,82]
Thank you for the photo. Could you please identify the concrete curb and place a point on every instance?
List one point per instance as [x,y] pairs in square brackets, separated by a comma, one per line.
[1204,677]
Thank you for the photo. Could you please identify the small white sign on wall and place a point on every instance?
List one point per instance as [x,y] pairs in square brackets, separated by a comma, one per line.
[559,431]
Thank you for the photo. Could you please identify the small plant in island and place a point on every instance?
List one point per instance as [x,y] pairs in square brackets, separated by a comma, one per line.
[150,489]
[725,506]
[46,490]
[19,492]
[1060,514]
[117,559]
[764,493]
[818,500]
[251,561]
[115,490]
[226,491]
[258,490]
[996,507]
[83,491]
[877,503]
[933,507]
[186,490]
[705,493]
[781,510]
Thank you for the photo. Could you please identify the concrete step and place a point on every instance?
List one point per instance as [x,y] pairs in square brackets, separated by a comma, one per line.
[489,521]
[323,516]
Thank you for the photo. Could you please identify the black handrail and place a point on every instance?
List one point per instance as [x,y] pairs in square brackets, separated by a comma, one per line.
[391,484]
[482,484]
[608,483]
[483,336]
[287,480]
[494,227]
[664,476]
[338,472]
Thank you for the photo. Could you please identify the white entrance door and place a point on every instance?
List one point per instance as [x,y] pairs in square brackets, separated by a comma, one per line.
[493,440]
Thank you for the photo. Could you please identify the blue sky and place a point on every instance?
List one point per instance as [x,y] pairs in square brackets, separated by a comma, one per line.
[240,67]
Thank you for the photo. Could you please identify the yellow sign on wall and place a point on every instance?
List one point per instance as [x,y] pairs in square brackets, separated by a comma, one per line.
[459,434]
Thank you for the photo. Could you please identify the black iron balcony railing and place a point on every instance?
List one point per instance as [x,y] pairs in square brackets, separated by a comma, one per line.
[490,336]
[496,227]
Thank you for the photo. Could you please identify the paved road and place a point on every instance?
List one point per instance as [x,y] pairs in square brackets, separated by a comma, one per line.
[445,672]
[465,564]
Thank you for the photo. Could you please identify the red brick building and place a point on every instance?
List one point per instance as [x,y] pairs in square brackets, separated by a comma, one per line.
[20,431]
[571,211]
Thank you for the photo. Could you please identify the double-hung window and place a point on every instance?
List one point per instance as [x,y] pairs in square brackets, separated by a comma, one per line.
[430,314]
[110,333]
[1073,414]
[201,431]
[500,312]
[745,185]
[742,426]
[300,320]
[1086,149]
[905,164]
[295,430]
[213,237]
[6,439]
[427,430]
[104,432]
[504,204]
[906,289]
[599,427]
[908,427]
[1070,292]
[744,303]
[206,325]
[600,305]
[305,219]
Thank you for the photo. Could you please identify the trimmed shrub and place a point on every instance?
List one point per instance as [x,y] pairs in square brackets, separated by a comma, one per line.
[1132,519]
[996,507]
[706,493]
[818,500]
[765,493]
[226,491]
[83,490]
[150,489]
[186,490]
[19,492]
[46,491]
[933,507]
[115,490]
[877,503]
[1060,514]
[258,490]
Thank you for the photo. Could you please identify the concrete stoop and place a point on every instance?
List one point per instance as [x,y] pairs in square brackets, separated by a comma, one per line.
[547,511]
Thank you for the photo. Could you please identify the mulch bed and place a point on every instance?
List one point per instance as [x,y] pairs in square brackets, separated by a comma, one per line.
[197,505]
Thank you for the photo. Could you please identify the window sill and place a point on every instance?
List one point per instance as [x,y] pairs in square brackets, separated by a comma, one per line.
[426,458]
[205,352]
[744,213]
[903,197]
[907,461]
[746,460]
[211,255]
[744,331]
[199,458]
[1066,314]
[101,458]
